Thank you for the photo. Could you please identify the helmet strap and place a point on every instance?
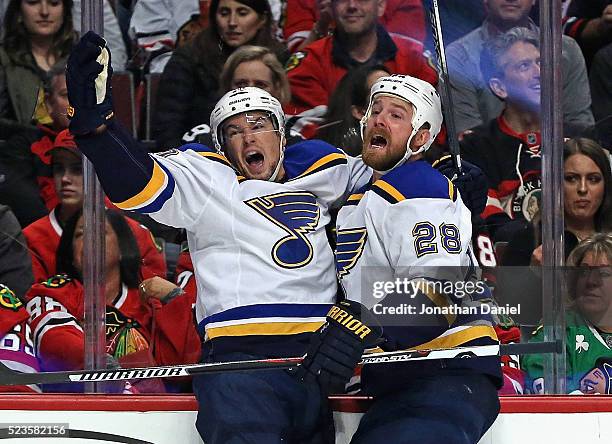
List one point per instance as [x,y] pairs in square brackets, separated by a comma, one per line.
[281,157]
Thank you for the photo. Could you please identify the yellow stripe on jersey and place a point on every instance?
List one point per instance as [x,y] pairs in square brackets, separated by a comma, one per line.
[460,338]
[215,156]
[354,198]
[451,191]
[151,189]
[390,190]
[264,328]
[322,163]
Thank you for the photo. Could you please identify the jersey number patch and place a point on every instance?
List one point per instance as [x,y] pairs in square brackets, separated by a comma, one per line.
[426,238]
[297,213]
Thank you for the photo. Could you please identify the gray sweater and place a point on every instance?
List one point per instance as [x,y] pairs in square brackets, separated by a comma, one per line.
[475,104]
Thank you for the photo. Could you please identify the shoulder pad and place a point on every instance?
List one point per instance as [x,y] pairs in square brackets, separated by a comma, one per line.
[311,156]
[57,281]
[414,180]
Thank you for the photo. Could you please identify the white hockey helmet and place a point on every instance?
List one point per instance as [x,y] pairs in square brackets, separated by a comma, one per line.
[425,103]
[241,100]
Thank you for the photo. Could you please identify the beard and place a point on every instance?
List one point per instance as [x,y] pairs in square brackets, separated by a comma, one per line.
[384,158]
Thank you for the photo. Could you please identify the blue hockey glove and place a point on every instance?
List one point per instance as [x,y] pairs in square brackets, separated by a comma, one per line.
[472,183]
[88,79]
[336,348]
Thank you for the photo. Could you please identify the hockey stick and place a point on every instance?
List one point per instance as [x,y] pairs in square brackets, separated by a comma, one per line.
[12,377]
[445,94]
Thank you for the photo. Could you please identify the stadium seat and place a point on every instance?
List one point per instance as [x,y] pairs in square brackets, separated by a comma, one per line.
[152,83]
[123,98]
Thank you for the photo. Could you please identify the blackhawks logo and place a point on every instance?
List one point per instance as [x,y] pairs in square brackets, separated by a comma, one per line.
[59,280]
[8,298]
[295,60]
[123,335]
[526,201]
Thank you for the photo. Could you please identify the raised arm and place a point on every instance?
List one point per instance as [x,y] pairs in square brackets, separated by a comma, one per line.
[173,187]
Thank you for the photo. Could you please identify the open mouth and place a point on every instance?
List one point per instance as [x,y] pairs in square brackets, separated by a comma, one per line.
[254,159]
[378,141]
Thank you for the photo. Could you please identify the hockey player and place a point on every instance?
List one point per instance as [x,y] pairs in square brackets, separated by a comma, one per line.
[264,267]
[408,225]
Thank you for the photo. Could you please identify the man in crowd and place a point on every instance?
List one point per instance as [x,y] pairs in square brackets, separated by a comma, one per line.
[475,104]
[507,147]
[358,39]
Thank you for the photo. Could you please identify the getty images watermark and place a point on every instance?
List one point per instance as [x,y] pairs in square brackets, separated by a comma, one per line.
[437,297]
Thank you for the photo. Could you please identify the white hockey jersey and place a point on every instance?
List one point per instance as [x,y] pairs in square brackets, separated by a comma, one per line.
[262,258]
[404,251]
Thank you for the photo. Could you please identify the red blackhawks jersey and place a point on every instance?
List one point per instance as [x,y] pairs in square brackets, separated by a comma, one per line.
[405,17]
[314,72]
[512,163]
[56,309]
[43,237]
[16,346]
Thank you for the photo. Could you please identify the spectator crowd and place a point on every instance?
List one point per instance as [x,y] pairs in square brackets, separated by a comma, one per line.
[319,58]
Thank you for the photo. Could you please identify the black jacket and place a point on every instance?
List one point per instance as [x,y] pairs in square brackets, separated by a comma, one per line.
[187,94]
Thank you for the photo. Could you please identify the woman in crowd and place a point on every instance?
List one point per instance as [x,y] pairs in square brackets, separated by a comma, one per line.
[189,87]
[346,107]
[255,66]
[248,65]
[43,235]
[37,34]
[147,322]
[587,202]
[56,306]
[588,322]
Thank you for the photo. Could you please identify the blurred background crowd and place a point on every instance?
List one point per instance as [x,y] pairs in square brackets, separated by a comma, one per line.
[172,61]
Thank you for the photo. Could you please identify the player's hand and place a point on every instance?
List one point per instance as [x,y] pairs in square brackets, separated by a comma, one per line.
[472,183]
[336,348]
[88,79]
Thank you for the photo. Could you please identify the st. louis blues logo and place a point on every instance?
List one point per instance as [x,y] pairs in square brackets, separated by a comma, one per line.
[298,214]
[349,247]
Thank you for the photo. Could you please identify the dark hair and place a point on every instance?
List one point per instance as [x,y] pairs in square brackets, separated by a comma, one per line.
[129,264]
[339,127]
[591,149]
[16,38]
[496,47]
[208,47]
